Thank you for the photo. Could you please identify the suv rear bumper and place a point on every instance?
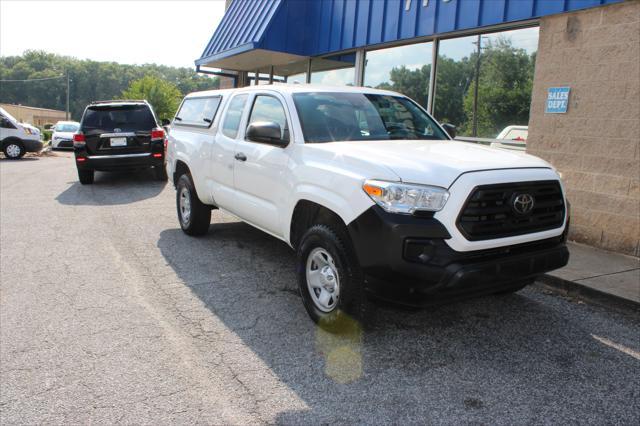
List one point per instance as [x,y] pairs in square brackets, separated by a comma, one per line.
[407,260]
[118,162]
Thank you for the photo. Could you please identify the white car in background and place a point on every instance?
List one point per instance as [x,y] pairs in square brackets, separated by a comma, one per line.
[513,138]
[514,133]
[62,136]
[16,138]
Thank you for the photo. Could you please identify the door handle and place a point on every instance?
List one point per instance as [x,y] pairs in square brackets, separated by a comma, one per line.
[241,157]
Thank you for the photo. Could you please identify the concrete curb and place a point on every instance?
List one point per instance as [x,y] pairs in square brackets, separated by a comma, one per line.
[579,291]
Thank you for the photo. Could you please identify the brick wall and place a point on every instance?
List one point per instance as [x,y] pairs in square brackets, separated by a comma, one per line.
[596,144]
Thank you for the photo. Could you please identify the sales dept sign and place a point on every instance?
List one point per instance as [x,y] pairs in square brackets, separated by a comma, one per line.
[557,100]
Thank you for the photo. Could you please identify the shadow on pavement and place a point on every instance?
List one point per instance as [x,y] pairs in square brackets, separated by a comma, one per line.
[113,188]
[522,358]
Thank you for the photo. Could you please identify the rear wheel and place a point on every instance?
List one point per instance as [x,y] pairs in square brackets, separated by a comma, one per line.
[86,176]
[330,280]
[194,216]
[160,173]
[13,150]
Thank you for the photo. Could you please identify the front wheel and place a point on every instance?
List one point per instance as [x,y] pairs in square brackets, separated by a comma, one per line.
[194,216]
[13,150]
[330,279]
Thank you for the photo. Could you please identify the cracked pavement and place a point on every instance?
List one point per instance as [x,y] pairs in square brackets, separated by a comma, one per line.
[110,314]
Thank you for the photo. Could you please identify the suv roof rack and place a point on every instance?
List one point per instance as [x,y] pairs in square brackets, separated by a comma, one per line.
[115,101]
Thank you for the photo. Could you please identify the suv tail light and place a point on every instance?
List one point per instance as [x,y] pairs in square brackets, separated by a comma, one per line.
[78,139]
[157,134]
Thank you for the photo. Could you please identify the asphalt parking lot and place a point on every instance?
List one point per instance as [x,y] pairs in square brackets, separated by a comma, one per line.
[110,314]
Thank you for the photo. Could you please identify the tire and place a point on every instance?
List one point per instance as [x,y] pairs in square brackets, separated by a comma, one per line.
[329,252]
[13,150]
[86,176]
[160,173]
[193,215]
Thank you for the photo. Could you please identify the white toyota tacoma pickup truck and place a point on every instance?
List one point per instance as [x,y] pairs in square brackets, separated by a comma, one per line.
[371,192]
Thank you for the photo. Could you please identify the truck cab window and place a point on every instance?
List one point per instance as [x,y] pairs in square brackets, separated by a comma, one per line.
[268,108]
[231,122]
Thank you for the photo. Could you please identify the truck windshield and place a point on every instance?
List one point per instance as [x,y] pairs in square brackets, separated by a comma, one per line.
[127,118]
[337,117]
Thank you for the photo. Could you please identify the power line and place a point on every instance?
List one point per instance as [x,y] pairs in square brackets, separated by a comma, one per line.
[33,79]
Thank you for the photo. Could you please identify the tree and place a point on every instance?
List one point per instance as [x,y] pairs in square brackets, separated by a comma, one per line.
[504,92]
[90,80]
[410,83]
[162,95]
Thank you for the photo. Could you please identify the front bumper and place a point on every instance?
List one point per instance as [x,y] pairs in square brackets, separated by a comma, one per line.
[62,143]
[31,145]
[407,260]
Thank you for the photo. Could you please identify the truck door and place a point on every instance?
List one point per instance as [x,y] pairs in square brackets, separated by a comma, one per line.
[222,161]
[261,169]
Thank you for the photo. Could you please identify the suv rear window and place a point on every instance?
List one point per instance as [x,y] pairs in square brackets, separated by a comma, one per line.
[127,118]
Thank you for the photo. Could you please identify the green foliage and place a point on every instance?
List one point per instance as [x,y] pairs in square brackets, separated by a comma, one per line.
[411,83]
[162,95]
[504,92]
[90,80]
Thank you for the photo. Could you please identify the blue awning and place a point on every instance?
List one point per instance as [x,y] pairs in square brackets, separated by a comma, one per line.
[242,30]
[258,34]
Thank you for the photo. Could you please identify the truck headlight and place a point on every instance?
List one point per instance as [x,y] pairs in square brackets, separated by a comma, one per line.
[404,198]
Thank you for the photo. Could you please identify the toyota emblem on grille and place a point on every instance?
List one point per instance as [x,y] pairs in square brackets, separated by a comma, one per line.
[523,203]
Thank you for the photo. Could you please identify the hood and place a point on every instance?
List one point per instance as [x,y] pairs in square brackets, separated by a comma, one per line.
[63,135]
[436,163]
[31,127]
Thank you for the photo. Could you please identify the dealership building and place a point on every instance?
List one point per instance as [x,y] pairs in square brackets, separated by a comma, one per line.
[567,69]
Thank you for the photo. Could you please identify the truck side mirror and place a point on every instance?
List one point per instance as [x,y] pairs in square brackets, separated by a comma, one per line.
[266,132]
[450,129]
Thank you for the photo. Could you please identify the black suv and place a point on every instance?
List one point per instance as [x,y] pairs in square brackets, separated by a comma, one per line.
[119,135]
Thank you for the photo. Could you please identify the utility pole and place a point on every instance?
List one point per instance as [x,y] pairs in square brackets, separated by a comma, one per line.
[475,89]
[67,112]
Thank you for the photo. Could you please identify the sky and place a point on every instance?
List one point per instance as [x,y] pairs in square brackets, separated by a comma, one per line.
[166,32]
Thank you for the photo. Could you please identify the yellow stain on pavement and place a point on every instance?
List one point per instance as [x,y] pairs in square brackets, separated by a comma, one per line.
[341,347]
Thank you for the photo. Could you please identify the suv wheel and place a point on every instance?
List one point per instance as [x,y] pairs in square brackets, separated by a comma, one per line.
[13,150]
[330,279]
[86,176]
[194,216]
[160,173]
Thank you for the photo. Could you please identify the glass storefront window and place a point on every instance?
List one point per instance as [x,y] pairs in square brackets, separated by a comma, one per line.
[506,65]
[336,70]
[403,69]
[297,78]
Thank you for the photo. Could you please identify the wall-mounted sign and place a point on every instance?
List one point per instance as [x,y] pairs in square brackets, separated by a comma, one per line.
[557,100]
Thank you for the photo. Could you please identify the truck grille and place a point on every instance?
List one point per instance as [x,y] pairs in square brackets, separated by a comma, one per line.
[489,212]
